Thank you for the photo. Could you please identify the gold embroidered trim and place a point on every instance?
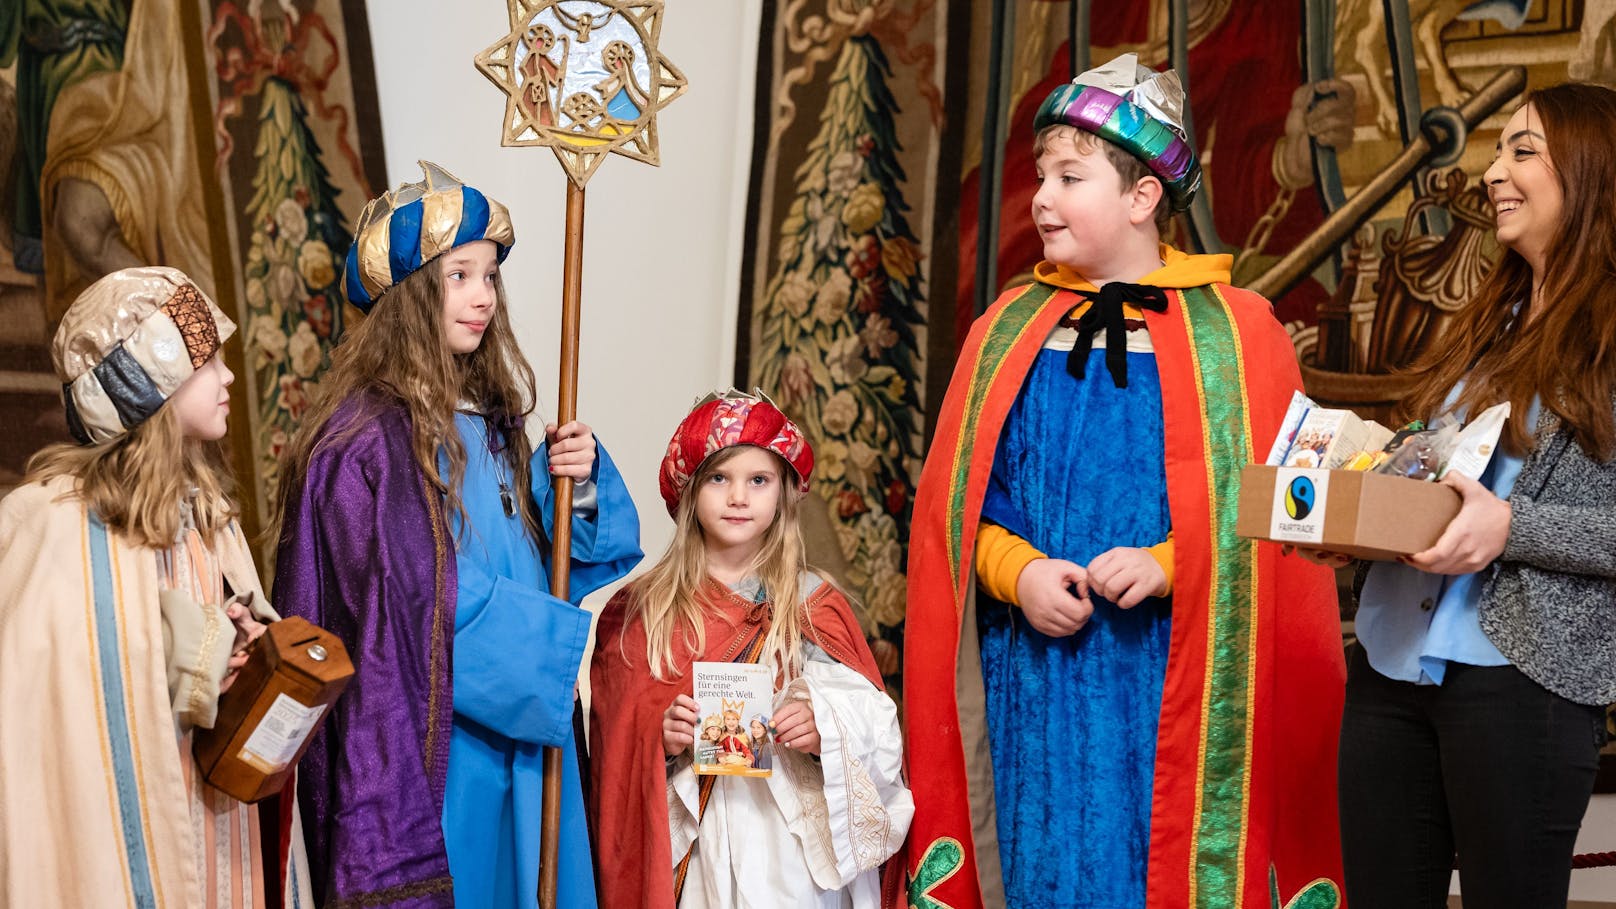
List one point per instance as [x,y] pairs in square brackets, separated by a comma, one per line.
[210,634]
[435,518]
[394,894]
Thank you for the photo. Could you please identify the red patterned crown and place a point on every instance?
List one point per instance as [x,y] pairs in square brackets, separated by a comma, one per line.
[723,420]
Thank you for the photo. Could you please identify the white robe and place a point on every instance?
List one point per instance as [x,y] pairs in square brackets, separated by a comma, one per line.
[811,836]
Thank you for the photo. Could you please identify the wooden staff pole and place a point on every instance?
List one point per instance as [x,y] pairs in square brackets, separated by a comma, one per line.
[561,551]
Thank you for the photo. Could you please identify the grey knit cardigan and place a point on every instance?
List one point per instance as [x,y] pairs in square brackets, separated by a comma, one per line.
[1549,601]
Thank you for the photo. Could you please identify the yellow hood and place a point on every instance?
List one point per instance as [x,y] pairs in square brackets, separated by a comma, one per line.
[1179,270]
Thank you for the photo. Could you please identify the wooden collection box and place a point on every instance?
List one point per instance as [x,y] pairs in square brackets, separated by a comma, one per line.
[278,701]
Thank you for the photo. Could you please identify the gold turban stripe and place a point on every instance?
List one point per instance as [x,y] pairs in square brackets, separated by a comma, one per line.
[402,230]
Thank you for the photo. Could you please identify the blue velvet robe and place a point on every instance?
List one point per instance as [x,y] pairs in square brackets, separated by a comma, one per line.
[517,652]
[1072,720]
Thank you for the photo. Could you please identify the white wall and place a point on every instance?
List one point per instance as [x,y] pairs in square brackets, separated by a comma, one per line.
[661,245]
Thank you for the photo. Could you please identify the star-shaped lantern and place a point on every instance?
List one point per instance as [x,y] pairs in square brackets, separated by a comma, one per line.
[583,77]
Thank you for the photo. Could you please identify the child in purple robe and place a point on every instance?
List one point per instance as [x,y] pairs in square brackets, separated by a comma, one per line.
[414,522]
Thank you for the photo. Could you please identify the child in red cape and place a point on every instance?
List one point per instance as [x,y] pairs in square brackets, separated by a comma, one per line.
[733,586]
[1112,700]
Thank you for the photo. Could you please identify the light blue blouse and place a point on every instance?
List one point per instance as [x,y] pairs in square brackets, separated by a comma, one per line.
[1412,624]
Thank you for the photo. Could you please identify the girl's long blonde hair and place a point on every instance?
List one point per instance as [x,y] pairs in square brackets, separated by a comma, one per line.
[399,352]
[135,483]
[669,599]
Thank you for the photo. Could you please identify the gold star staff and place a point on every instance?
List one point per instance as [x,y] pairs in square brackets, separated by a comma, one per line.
[584,78]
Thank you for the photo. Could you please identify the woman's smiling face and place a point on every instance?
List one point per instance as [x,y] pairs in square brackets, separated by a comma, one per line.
[1524,188]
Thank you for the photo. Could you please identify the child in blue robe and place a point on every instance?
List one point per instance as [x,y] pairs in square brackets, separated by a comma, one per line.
[415,523]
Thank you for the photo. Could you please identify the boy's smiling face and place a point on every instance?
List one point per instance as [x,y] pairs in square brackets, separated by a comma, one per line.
[1082,210]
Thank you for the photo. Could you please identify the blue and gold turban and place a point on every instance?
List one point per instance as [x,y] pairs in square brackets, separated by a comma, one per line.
[1137,108]
[400,231]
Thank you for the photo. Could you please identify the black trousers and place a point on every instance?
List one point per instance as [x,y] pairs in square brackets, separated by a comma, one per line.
[1489,765]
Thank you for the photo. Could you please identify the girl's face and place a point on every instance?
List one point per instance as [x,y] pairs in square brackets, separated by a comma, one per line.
[736,503]
[758,730]
[470,276]
[202,402]
[1524,189]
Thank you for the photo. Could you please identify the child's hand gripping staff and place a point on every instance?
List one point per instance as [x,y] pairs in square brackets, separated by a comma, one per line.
[572,450]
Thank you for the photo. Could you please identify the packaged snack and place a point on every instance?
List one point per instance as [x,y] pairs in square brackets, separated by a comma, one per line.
[1364,460]
[1329,437]
[1299,406]
[1401,435]
[1422,454]
[1476,442]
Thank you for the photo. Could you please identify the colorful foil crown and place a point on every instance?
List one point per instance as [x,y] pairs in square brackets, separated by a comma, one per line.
[400,231]
[720,421]
[128,343]
[1137,108]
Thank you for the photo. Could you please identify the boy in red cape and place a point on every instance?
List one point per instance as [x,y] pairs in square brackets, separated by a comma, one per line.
[1159,699]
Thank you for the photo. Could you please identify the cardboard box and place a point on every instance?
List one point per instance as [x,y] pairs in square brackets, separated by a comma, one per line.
[1368,515]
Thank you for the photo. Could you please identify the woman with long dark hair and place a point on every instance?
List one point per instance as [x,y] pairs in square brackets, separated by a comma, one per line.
[1476,700]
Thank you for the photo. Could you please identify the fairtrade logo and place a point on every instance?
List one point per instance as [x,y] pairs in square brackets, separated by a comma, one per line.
[1299,498]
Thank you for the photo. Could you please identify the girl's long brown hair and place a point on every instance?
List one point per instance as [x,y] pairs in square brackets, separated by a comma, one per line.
[1566,352]
[135,482]
[399,354]
[668,598]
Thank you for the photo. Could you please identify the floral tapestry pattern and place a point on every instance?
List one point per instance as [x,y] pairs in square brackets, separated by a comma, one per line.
[837,323]
[839,327]
[294,232]
[292,273]
[233,140]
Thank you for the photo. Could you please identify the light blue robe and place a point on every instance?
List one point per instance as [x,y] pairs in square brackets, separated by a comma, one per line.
[517,652]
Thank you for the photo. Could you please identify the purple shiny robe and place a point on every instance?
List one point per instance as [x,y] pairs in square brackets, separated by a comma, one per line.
[365,552]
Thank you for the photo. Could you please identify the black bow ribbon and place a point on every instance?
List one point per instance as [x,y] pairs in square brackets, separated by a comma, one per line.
[1105,311]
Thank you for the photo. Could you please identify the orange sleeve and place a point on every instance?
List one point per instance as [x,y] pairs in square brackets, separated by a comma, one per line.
[1163,554]
[1000,557]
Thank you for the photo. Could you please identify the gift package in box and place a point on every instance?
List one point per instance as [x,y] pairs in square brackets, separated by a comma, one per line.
[1378,501]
